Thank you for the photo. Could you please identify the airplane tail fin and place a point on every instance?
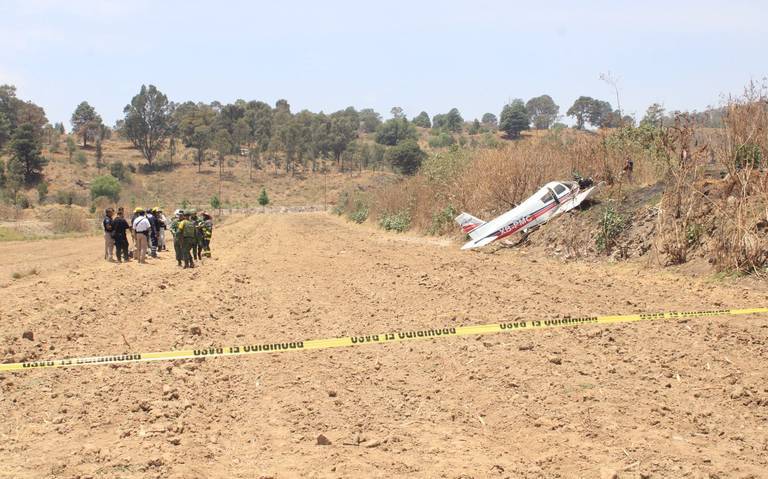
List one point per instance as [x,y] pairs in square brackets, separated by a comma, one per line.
[468,222]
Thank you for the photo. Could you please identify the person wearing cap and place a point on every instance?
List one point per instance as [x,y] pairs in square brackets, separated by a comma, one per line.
[177,217]
[142,228]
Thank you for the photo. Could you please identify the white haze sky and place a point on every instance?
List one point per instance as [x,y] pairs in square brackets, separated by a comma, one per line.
[420,55]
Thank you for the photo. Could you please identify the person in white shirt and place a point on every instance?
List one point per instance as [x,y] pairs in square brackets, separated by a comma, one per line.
[142,229]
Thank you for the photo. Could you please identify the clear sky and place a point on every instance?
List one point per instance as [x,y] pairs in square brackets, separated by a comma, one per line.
[417,54]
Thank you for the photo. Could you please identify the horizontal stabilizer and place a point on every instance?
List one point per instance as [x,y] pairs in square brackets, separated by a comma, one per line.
[468,222]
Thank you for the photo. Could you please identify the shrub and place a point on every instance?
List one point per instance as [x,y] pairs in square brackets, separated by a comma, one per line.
[106,185]
[399,221]
[441,139]
[611,226]
[154,167]
[69,220]
[118,170]
[263,197]
[69,197]
[359,213]
[81,159]
[215,202]
[406,157]
[442,221]
[22,201]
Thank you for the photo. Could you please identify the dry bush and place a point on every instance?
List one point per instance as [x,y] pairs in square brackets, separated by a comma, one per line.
[741,242]
[66,219]
[682,203]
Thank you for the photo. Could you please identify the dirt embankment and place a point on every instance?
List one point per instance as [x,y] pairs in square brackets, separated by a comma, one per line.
[681,398]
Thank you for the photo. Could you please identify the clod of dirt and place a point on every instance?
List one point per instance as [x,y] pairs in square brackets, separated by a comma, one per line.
[525,347]
[555,359]
[195,331]
[323,441]
[332,394]
[28,335]
[738,392]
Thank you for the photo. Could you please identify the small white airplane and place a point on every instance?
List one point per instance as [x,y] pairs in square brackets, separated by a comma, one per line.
[554,198]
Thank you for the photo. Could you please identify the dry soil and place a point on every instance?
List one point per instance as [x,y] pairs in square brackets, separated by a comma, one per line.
[684,398]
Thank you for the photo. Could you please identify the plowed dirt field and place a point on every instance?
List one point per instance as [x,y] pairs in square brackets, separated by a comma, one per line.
[679,398]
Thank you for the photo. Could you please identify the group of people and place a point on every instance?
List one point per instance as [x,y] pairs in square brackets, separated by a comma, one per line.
[191,235]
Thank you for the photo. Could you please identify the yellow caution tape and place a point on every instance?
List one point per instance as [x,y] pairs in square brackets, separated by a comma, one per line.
[437,333]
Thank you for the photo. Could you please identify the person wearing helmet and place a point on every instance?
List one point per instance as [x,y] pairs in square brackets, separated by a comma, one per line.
[174,227]
[142,228]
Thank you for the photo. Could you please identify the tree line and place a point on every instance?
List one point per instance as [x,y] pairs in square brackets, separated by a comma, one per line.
[276,136]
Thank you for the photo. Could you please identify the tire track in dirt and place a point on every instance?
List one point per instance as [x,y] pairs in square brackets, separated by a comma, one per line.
[670,399]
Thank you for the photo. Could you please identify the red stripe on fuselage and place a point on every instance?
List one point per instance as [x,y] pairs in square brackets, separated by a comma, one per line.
[534,216]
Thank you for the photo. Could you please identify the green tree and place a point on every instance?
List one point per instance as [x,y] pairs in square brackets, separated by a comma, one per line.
[654,116]
[26,149]
[394,131]
[514,118]
[222,143]
[542,111]
[397,113]
[215,202]
[343,130]
[451,121]
[406,157]
[71,147]
[263,198]
[106,185]
[148,121]
[3,177]
[475,128]
[259,117]
[369,120]
[422,120]
[86,123]
[196,128]
[601,114]
[581,110]
[490,120]
[5,129]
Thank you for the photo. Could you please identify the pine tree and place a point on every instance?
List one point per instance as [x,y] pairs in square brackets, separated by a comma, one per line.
[263,198]
[26,149]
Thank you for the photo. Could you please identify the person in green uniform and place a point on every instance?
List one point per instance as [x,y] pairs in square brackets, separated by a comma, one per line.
[174,227]
[207,233]
[187,229]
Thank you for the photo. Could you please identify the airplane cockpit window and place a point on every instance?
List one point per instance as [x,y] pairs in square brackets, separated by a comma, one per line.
[559,190]
[547,197]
